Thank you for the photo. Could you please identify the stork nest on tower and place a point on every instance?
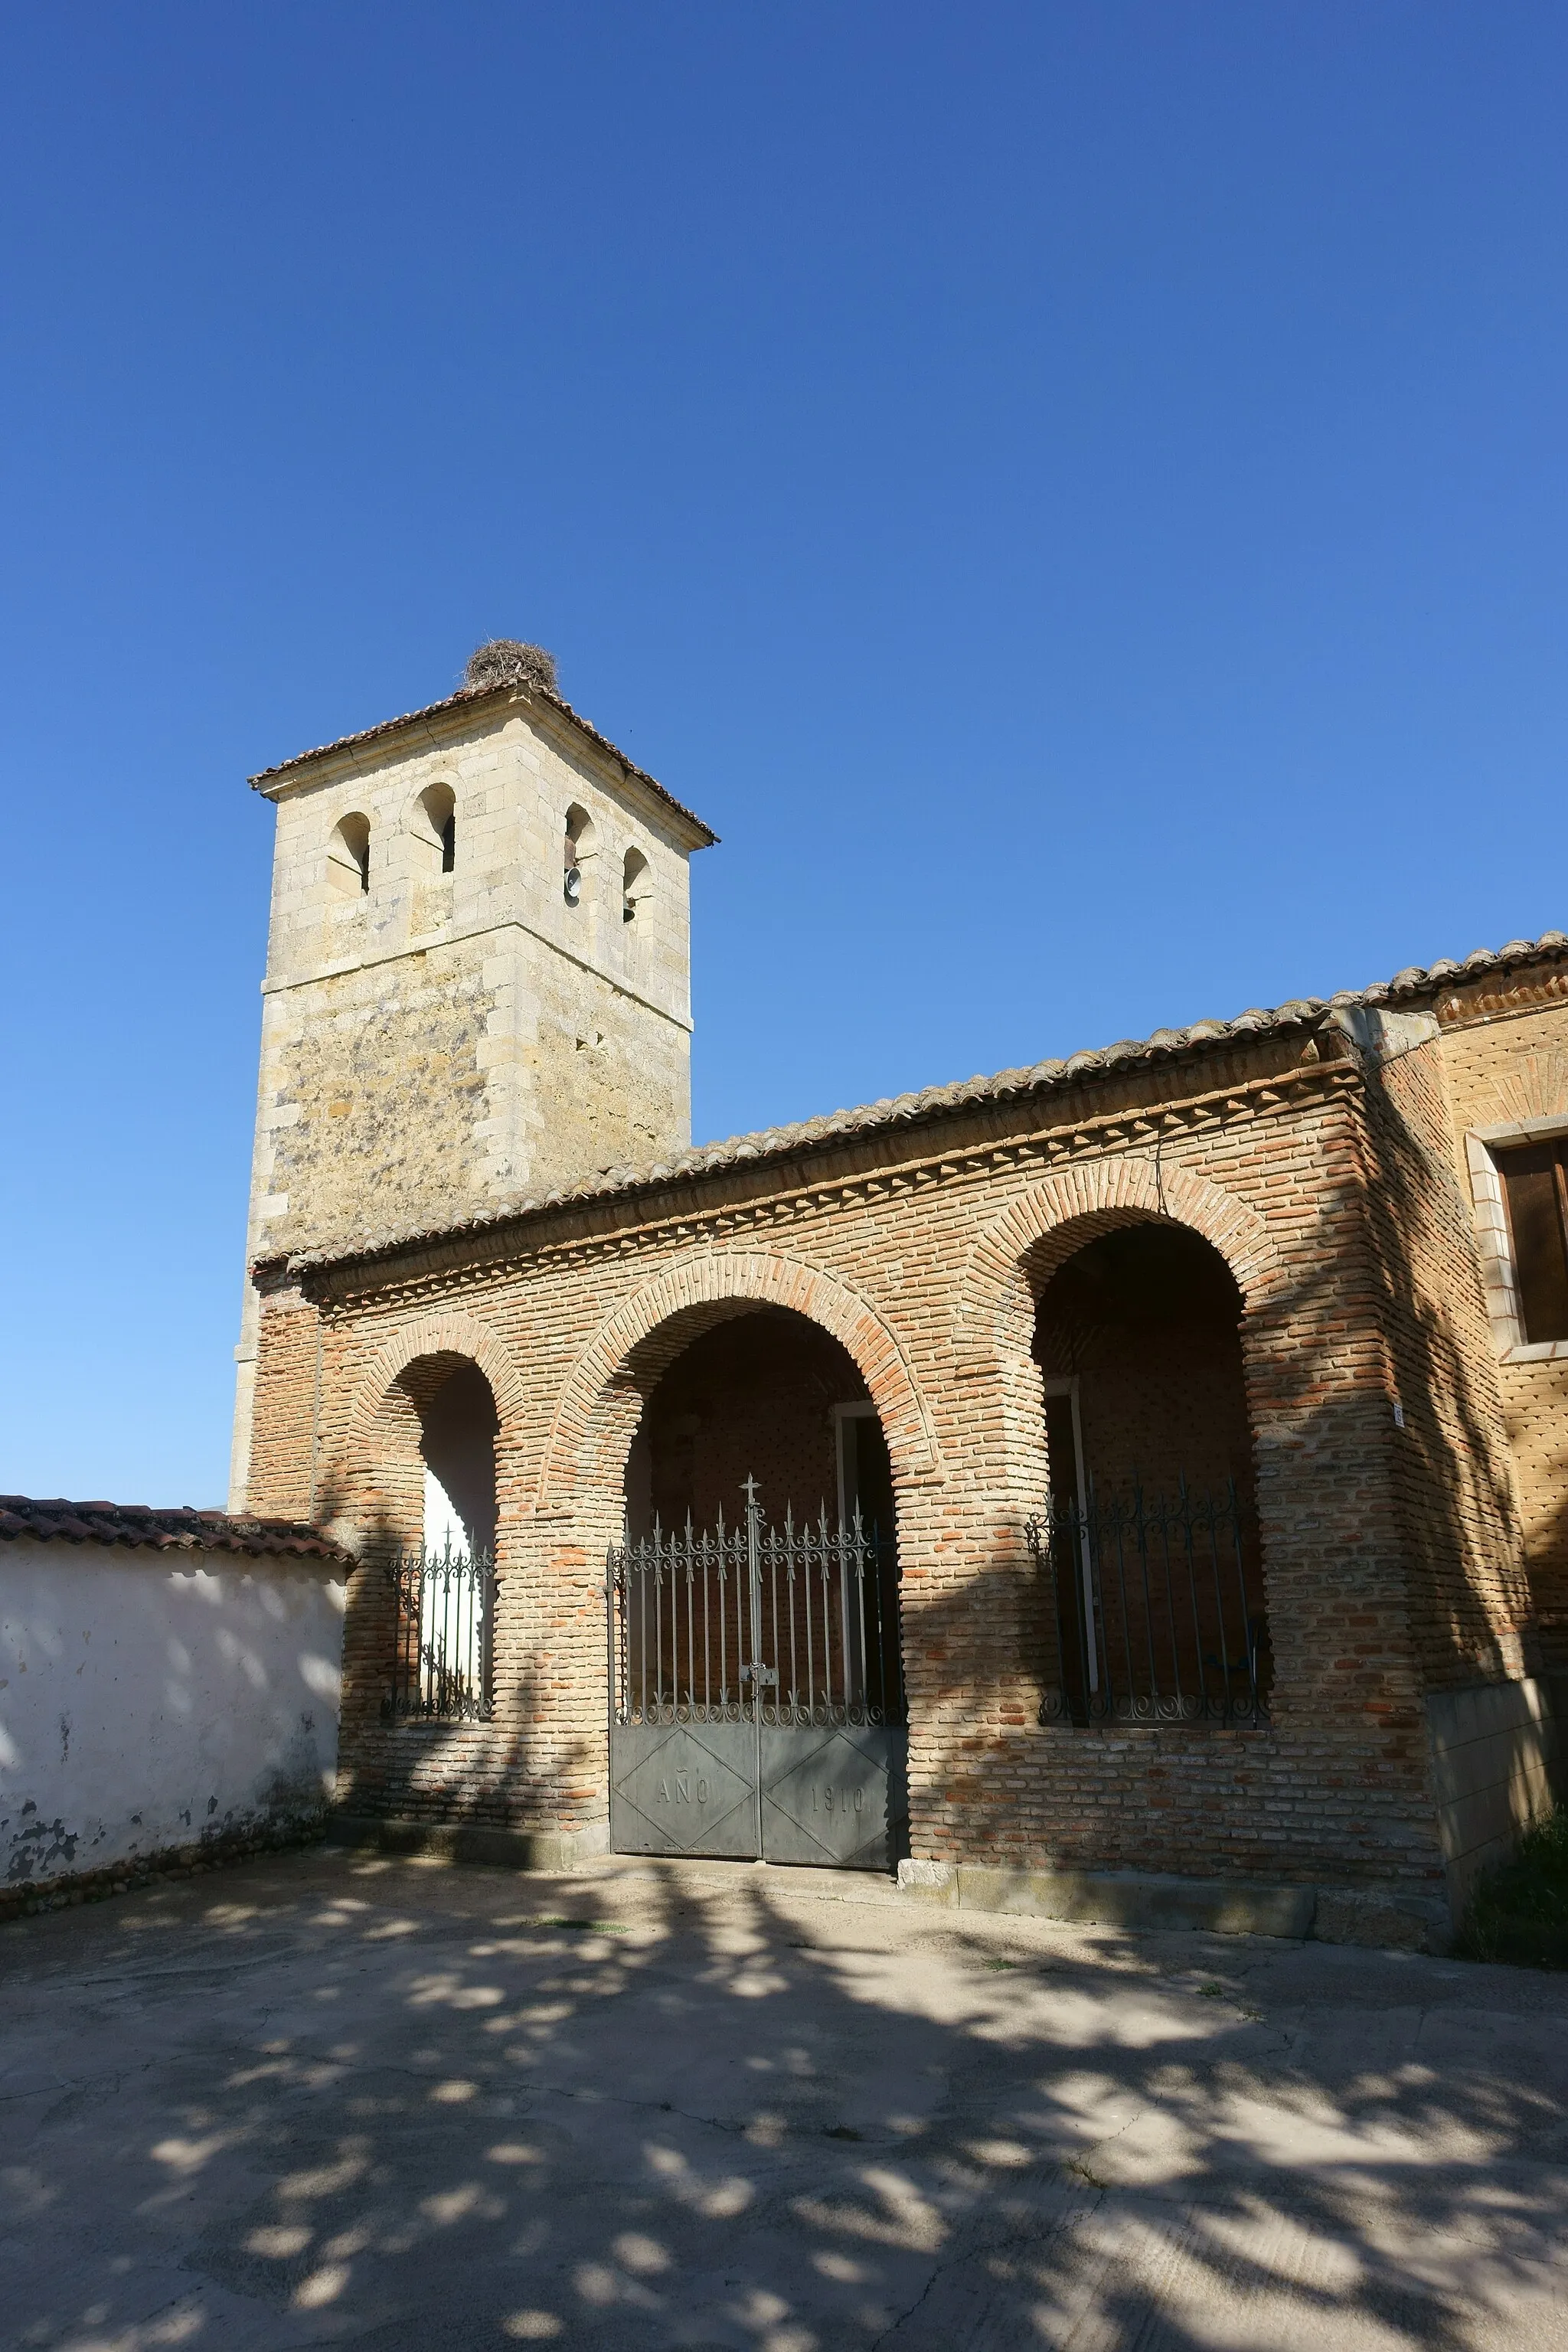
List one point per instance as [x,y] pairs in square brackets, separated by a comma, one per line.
[504,662]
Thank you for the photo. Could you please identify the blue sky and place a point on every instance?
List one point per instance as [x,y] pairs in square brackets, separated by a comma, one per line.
[1075,495]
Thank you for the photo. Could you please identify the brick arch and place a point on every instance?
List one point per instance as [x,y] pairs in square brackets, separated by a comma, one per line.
[602,1399]
[436,1335]
[1535,1085]
[1010,1263]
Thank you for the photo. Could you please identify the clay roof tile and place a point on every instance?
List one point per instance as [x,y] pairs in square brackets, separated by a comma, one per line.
[181,1528]
[928,1102]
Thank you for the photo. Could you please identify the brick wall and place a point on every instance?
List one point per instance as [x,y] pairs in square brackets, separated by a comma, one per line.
[287,1407]
[1467,1594]
[1535,1407]
[922,1253]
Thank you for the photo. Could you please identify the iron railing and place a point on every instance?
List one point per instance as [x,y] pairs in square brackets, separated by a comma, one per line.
[441,1668]
[782,1625]
[1159,1609]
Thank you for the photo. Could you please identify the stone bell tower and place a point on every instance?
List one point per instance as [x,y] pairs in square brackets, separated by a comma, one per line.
[478,974]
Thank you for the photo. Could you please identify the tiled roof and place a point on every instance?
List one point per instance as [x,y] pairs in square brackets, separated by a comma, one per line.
[469,694]
[932,1102]
[181,1531]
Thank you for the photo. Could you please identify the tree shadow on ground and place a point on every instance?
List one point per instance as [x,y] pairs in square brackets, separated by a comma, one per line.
[389,2103]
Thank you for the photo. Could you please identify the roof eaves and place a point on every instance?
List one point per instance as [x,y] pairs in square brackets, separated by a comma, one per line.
[468,697]
[138,1525]
[931,1103]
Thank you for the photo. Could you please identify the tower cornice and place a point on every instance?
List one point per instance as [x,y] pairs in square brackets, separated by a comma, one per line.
[450,720]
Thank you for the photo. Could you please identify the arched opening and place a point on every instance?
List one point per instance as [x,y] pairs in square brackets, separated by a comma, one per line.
[457,1425]
[348,856]
[635,885]
[767,1395]
[1154,1556]
[755,1606]
[579,849]
[446,1584]
[435,828]
[1146,1321]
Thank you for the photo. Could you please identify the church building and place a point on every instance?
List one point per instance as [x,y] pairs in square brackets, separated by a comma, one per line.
[1131,1485]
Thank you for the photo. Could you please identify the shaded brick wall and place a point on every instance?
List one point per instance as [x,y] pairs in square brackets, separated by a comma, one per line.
[1146,1321]
[1172,1408]
[1467,1598]
[287,1408]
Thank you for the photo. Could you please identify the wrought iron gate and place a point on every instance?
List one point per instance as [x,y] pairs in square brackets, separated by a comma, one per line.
[444,1617]
[1159,1609]
[756,1697]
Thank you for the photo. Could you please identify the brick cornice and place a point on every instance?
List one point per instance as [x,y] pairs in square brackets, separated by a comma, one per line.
[1499,996]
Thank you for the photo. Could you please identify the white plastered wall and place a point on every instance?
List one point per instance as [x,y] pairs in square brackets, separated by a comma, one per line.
[147,1702]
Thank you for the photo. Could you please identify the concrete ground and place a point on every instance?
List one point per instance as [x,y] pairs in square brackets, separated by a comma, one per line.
[326,2099]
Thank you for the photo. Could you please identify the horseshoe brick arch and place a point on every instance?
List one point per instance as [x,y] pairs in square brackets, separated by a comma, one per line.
[454,1334]
[1012,1259]
[603,1398]
[1019,1251]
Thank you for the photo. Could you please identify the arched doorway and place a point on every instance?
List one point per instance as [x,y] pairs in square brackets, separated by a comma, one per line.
[765,1394]
[457,1426]
[442,1649]
[1151,1550]
[757,1690]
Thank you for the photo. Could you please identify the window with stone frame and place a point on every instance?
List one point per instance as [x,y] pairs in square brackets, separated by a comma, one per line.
[1535,1188]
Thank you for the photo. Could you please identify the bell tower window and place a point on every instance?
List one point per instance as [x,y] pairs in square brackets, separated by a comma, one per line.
[579,849]
[633,885]
[348,856]
[435,828]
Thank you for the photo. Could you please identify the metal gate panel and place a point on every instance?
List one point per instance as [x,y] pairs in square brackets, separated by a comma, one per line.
[834,1795]
[684,1788]
[756,1697]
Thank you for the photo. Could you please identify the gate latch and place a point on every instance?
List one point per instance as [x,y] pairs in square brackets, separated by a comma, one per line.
[765,1677]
